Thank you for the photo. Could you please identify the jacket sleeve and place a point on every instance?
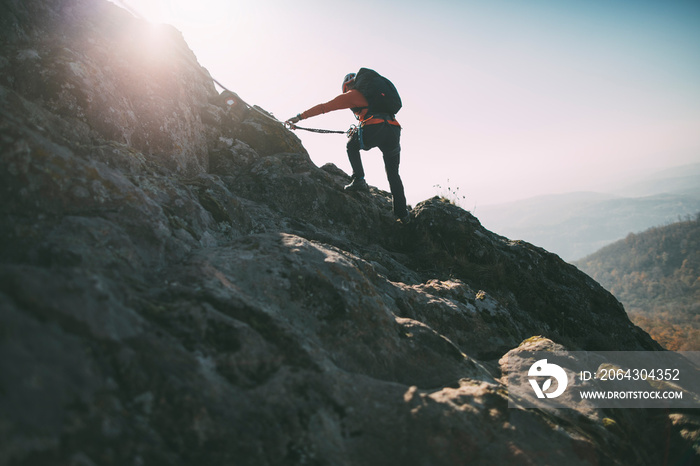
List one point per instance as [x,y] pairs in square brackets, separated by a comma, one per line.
[351,99]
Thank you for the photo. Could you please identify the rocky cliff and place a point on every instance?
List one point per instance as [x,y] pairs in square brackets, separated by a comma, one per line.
[181,285]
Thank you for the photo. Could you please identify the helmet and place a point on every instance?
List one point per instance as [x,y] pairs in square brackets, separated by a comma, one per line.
[349,78]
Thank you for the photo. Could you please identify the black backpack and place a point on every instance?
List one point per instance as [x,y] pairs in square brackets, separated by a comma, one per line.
[380,93]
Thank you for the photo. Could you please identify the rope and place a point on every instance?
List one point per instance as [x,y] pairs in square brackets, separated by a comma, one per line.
[315,130]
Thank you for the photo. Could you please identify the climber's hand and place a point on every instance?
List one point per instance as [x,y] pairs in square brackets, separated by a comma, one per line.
[292,121]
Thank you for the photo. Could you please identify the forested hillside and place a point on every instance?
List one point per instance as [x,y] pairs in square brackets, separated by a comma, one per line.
[656,275]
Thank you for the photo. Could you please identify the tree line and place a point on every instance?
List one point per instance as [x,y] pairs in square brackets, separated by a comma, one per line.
[656,276]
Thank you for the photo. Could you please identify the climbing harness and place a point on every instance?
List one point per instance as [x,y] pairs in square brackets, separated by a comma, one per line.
[369,120]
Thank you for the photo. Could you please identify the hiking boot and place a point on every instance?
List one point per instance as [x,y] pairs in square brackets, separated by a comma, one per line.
[357,184]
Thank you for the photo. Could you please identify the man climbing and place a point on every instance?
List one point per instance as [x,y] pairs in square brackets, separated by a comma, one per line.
[374,101]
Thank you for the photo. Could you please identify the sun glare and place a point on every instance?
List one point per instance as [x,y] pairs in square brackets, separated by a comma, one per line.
[154,11]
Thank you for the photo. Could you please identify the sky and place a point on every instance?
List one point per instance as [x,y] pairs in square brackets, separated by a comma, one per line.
[502,99]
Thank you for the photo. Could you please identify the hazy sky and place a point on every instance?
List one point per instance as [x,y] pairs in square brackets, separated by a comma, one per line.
[503,100]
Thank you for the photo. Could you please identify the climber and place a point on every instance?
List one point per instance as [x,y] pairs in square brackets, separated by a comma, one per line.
[374,101]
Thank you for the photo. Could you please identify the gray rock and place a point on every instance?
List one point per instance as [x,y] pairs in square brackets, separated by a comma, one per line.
[180,284]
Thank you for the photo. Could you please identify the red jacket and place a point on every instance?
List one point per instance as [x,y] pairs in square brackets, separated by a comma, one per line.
[351,99]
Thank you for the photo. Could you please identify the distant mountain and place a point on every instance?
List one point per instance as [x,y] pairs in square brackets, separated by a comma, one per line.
[683,180]
[656,276]
[574,225]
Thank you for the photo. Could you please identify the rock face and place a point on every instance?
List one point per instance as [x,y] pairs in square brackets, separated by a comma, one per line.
[181,285]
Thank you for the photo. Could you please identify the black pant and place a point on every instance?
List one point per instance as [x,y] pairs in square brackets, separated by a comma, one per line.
[387,138]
